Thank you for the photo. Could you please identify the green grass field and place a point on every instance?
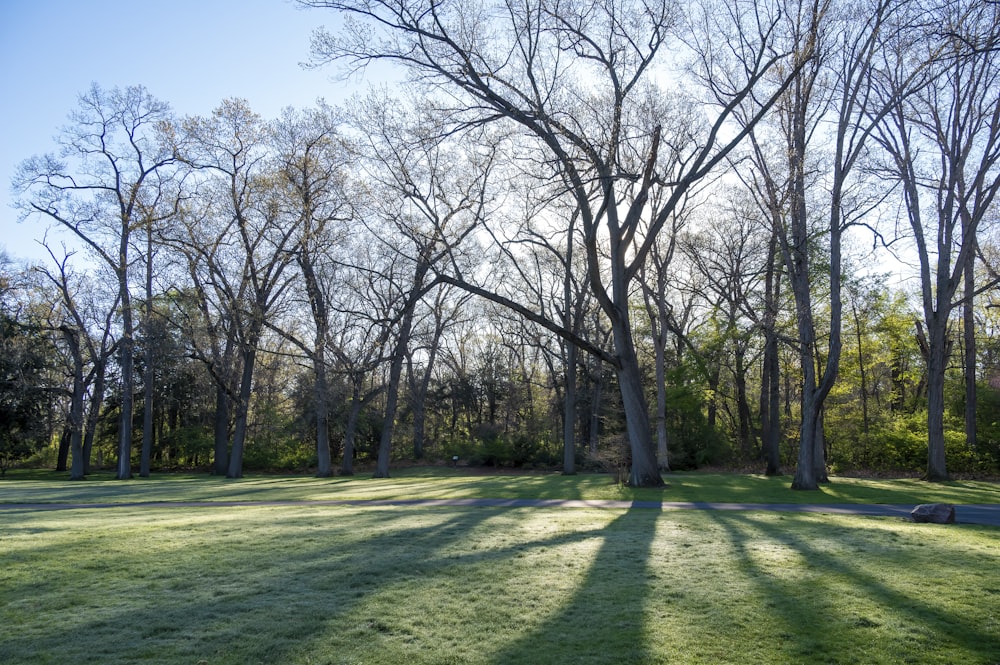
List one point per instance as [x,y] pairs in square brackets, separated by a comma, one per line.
[307,584]
[444,482]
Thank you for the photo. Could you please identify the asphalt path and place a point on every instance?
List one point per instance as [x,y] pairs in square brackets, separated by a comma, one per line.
[985,514]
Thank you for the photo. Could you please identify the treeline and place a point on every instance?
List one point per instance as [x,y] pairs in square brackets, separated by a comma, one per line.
[631,237]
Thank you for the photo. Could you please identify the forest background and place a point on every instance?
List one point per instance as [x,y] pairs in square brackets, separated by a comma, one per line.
[629,236]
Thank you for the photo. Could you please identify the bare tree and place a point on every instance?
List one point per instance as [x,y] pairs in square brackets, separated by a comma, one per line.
[246,254]
[578,78]
[845,42]
[943,145]
[311,158]
[427,196]
[86,326]
[114,181]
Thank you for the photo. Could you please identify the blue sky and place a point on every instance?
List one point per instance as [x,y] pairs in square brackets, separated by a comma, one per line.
[190,53]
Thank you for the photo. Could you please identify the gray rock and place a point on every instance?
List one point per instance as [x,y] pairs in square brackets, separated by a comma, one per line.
[934,513]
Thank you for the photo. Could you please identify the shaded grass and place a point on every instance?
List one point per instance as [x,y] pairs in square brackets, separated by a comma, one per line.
[325,585]
[438,482]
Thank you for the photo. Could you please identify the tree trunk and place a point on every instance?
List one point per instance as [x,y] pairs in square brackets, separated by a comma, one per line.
[396,371]
[127,363]
[62,456]
[93,413]
[350,429]
[594,425]
[147,372]
[75,424]
[819,453]
[937,358]
[392,397]
[772,406]
[770,392]
[242,412]
[421,385]
[805,470]
[569,413]
[969,320]
[742,403]
[220,462]
[324,463]
[645,471]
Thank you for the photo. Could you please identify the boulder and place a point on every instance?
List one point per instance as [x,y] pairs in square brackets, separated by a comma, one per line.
[934,513]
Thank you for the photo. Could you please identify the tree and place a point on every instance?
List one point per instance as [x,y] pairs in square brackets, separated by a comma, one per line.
[24,350]
[943,147]
[116,179]
[429,195]
[248,258]
[578,78]
[833,91]
[311,157]
[85,323]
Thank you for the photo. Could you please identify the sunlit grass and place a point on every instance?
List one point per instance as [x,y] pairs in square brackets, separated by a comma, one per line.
[440,483]
[308,584]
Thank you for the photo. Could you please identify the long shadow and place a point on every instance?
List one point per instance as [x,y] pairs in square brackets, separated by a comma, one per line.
[609,615]
[195,609]
[260,604]
[803,612]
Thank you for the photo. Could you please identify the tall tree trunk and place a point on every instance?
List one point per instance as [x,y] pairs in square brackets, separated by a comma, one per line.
[969,321]
[819,441]
[242,410]
[94,412]
[645,470]
[662,445]
[62,455]
[865,421]
[318,305]
[770,395]
[742,403]
[220,460]
[392,401]
[421,385]
[126,349]
[147,372]
[772,428]
[75,424]
[324,463]
[937,359]
[351,427]
[569,413]
[594,425]
[396,370]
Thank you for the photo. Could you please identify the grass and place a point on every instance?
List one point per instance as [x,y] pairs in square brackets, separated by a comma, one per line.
[442,482]
[306,584]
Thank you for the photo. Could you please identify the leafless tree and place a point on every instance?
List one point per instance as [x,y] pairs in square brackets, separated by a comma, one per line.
[943,147]
[113,177]
[579,78]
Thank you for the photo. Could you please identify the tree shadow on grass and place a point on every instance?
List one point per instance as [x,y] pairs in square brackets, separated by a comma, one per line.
[229,587]
[836,566]
[602,620]
[243,597]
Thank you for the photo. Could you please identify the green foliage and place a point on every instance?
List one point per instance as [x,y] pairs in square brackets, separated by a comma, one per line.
[24,399]
[190,445]
[988,426]
[692,442]
[492,447]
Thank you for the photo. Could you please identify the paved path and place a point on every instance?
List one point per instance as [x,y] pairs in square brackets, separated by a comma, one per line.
[988,514]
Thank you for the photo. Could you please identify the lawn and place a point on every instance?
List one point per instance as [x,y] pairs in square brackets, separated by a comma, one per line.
[444,482]
[308,584]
